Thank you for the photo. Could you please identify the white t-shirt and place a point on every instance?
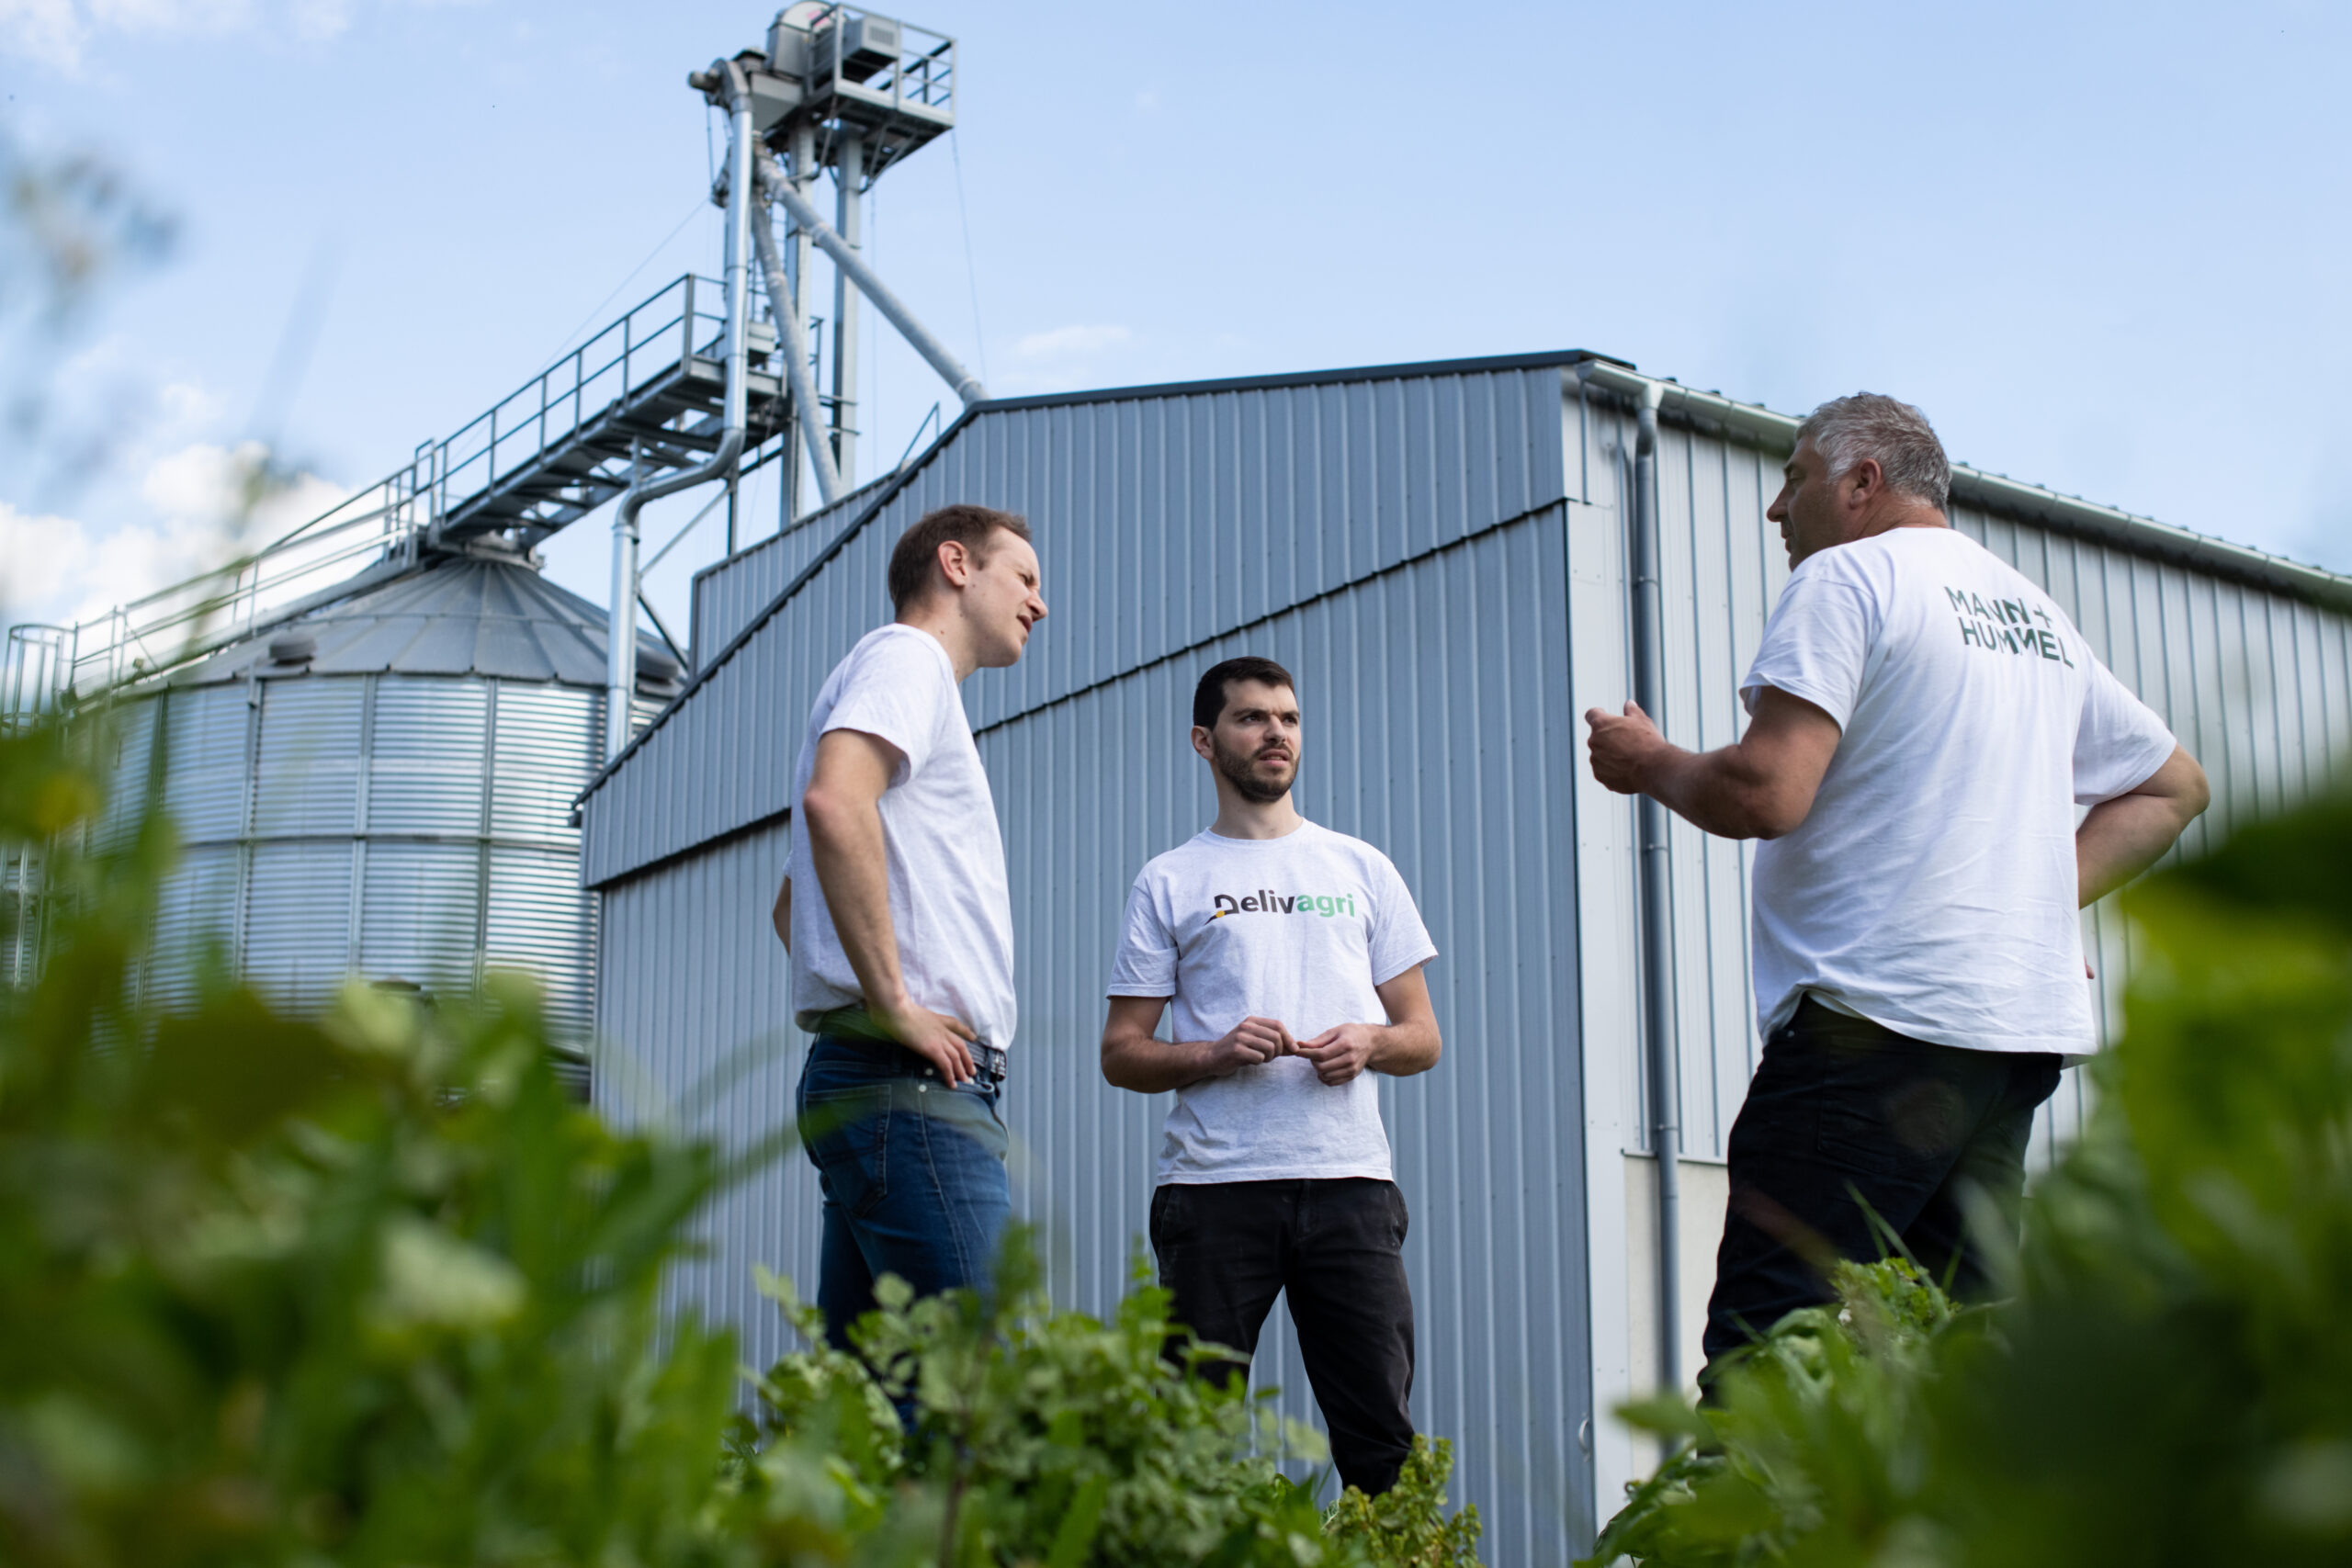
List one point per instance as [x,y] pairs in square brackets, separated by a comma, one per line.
[1297,928]
[948,904]
[1932,886]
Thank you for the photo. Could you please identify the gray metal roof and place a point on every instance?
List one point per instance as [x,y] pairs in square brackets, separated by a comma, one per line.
[453,615]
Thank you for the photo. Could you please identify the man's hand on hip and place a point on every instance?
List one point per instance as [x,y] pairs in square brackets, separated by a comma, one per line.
[935,1037]
[1341,1053]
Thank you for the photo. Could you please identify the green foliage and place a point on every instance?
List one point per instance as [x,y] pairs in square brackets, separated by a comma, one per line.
[1408,1524]
[2166,1382]
[368,1290]
[1061,1439]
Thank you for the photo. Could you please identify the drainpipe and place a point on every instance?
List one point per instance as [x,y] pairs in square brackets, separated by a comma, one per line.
[620,665]
[786,316]
[853,266]
[1657,952]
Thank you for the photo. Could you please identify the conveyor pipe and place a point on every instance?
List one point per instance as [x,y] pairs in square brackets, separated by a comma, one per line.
[786,316]
[966,386]
[620,630]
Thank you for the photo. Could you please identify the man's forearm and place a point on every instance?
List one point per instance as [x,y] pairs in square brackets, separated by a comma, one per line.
[852,861]
[1401,1050]
[2120,839]
[2124,837]
[1153,1066]
[1714,791]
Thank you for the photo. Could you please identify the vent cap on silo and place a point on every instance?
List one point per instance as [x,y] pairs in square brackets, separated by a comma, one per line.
[293,647]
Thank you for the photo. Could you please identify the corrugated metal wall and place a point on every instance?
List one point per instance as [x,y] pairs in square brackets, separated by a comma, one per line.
[1402,545]
[1439,555]
[731,594]
[1454,664]
[1165,522]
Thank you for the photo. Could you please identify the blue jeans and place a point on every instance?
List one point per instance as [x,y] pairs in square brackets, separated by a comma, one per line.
[913,1170]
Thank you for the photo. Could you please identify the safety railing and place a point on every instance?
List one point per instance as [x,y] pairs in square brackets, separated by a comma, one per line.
[547,411]
[382,524]
[922,76]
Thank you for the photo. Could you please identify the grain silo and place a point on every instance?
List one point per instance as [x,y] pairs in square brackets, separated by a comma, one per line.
[382,787]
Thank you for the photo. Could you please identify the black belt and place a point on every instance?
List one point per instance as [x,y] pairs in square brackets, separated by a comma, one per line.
[856,1026]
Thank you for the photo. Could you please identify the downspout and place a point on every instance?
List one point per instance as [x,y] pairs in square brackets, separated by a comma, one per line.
[786,316]
[852,266]
[620,664]
[1648,616]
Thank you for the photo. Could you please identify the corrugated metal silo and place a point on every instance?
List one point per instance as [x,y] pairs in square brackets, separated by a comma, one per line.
[383,788]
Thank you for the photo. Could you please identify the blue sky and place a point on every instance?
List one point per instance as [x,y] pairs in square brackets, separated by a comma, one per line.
[2102,245]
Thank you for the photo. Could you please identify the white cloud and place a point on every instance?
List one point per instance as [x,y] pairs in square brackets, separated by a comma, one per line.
[49,31]
[64,569]
[61,571]
[187,404]
[38,555]
[172,16]
[1070,342]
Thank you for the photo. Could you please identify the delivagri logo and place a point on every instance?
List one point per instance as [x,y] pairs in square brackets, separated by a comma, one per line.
[1264,902]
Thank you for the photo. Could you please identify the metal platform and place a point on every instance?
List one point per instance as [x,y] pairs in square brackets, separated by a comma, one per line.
[844,72]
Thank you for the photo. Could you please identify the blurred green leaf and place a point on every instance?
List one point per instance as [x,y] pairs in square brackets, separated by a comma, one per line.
[2169,1383]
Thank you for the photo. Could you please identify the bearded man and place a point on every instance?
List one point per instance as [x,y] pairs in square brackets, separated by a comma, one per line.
[1293,956]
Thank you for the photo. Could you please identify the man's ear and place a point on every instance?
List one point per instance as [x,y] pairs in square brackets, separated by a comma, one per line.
[1866,477]
[955,562]
[1202,746]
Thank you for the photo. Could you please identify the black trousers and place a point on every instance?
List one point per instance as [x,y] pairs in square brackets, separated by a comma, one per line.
[1227,1249]
[1845,1113]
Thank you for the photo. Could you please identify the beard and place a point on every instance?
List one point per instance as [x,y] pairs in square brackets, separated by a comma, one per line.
[1240,770]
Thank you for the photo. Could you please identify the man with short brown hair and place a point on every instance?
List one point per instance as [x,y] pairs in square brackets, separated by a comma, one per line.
[902,958]
[1293,957]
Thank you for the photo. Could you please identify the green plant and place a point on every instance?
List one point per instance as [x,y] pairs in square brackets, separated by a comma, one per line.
[370,1290]
[2166,1382]
[1057,1439]
[367,1290]
[1408,1524]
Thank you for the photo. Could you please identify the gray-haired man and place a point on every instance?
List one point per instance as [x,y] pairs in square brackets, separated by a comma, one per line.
[1923,721]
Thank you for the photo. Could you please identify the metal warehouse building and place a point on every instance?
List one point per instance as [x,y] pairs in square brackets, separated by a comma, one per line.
[1440,552]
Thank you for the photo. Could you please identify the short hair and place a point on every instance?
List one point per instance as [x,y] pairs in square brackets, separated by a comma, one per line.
[917,548]
[1898,435]
[1208,697]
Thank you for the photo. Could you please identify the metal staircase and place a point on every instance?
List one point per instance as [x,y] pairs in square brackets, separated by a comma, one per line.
[647,390]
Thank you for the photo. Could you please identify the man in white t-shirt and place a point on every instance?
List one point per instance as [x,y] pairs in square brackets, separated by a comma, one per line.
[902,936]
[1923,722]
[1293,956]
